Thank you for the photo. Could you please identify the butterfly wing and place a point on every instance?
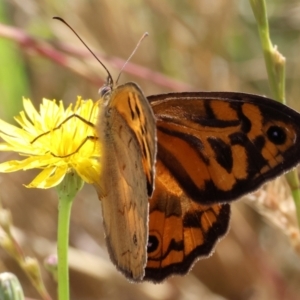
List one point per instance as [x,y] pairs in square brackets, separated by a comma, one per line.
[212,147]
[180,230]
[219,146]
[127,130]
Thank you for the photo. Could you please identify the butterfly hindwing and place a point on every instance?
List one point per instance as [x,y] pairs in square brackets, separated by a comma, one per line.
[180,230]
[127,162]
[220,146]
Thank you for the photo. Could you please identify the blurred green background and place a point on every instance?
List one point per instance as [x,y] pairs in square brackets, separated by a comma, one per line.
[192,45]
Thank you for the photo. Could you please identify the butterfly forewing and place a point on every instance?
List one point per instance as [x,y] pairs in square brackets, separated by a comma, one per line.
[138,115]
[219,146]
[126,128]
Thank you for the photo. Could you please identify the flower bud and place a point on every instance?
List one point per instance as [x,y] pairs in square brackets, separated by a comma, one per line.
[10,287]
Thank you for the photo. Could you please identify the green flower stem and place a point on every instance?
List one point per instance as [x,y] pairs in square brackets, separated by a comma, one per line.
[275,64]
[67,191]
[65,204]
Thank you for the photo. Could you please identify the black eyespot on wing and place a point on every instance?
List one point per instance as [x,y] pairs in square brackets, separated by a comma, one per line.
[276,135]
[152,243]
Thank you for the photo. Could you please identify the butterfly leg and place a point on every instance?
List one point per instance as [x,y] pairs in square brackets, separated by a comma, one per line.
[83,142]
[62,123]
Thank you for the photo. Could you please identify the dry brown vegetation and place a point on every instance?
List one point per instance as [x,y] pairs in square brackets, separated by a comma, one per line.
[192,45]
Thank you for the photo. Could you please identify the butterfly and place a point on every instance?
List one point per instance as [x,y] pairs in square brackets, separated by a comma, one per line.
[173,162]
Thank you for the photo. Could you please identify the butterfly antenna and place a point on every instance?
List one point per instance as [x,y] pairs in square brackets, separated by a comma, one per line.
[133,52]
[110,79]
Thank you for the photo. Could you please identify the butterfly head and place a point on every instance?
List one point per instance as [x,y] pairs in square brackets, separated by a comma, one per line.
[106,89]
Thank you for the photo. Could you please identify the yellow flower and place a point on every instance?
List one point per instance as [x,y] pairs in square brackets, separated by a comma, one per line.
[53,142]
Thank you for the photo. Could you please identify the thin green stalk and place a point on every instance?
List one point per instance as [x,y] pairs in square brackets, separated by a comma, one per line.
[275,65]
[275,62]
[64,213]
[67,191]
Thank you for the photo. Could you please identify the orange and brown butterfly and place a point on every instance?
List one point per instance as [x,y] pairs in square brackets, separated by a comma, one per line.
[212,148]
[171,163]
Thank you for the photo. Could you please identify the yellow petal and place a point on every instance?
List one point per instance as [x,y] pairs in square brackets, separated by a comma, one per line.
[89,171]
[32,162]
[49,177]
[31,112]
